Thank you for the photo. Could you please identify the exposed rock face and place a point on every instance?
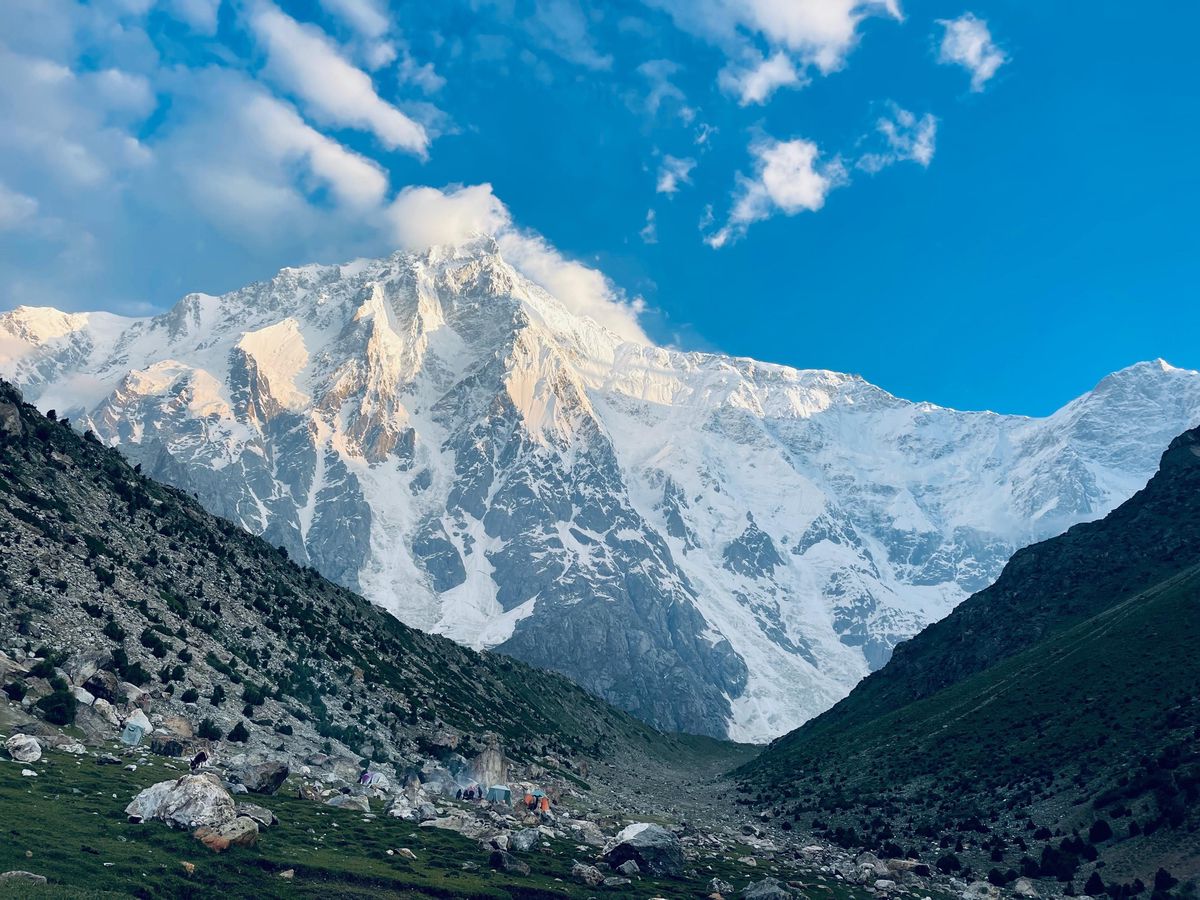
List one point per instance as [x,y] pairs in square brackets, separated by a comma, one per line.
[718,545]
[189,802]
[652,847]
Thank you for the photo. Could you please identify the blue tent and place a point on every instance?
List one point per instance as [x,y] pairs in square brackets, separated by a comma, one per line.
[499,793]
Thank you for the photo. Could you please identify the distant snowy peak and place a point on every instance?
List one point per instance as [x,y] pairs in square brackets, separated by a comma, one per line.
[717,544]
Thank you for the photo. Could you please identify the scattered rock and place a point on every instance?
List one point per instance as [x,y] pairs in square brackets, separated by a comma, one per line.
[259,814]
[503,861]
[406,853]
[24,748]
[629,868]
[349,801]
[287,874]
[652,847]
[262,778]
[239,832]
[104,685]
[589,875]
[524,839]
[20,876]
[1023,887]
[166,745]
[717,886]
[767,889]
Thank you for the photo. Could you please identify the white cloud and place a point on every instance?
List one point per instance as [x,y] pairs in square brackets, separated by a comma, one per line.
[649,232]
[908,138]
[967,42]
[303,60]
[15,208]
[422,216]
[759,78]
[200,15]
[817,33]
[673,172]
[788,178]
[364,16]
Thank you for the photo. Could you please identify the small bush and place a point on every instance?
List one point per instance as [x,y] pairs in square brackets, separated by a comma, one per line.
[59,706]
[240,734]
[209,731]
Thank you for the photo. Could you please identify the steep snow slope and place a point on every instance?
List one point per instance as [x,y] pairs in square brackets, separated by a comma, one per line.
[716,544]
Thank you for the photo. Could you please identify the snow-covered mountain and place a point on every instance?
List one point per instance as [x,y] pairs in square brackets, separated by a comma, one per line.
[716,544]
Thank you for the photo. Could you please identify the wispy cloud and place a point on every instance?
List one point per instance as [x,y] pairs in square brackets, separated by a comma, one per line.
[673,172]
[649,232]
[967,42]
[906,138]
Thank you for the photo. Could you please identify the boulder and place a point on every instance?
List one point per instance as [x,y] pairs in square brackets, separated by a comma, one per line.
[717,886]
[82,666]
[9,666]
[767,889]
[503,861]
[589,875]
[348,801]
[19,876]
[189,802]
[178,726]
[1023,887]
[629,868]
[616,882]
[24,748]
[262,778]
[239,832]
[652,847]
[166,745]
[524,839]
[104,685]
[82,696]
[259,814]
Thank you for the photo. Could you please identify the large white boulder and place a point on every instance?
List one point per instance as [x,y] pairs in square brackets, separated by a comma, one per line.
[189,802]
[23,748]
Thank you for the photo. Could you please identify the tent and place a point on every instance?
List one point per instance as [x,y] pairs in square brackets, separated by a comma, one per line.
[499,793]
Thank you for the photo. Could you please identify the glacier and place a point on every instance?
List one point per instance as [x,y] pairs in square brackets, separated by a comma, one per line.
[719,545]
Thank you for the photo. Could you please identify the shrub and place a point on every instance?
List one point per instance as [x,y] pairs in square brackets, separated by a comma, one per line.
[114,631]
[58,706]
[1100,831]
[240,734]
[949,863]
[191,695]
[218,695]
[209,731]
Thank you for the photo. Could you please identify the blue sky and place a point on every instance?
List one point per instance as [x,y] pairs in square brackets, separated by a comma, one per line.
[984,204]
